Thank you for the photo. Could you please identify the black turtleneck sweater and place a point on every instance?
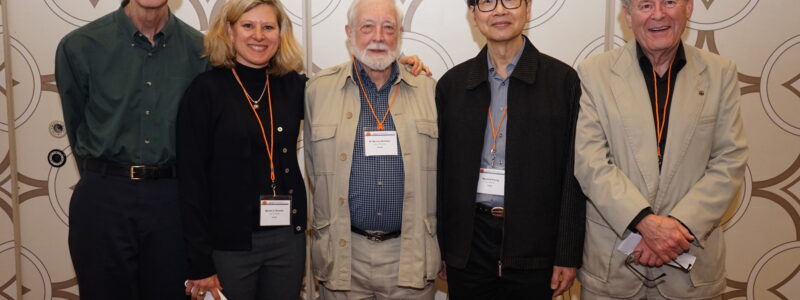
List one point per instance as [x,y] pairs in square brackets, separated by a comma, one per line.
[223,165]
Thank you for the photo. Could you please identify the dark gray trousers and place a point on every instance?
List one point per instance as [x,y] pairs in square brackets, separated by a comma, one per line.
[273,269]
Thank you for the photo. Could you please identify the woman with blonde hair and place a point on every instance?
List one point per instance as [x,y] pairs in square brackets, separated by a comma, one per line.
[242,194]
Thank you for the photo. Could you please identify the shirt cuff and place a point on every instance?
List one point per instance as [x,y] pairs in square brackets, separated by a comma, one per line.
[642,214]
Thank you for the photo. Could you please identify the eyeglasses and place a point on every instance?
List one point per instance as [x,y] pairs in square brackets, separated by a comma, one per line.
[490,5]
[633,258]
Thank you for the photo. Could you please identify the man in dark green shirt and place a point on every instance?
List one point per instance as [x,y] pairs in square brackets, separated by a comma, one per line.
[121,78]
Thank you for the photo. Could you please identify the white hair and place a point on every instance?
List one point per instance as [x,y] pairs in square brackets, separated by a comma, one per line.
[351,12]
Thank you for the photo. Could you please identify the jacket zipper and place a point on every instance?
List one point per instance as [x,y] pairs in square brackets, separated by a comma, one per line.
[502,241]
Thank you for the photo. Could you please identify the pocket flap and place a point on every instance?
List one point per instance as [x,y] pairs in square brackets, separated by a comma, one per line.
[321,132]
[428,128]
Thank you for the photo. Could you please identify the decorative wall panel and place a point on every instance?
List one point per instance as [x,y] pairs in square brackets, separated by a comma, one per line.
[762,37]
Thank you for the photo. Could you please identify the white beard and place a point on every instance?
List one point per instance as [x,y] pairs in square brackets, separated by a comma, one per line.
[375,62]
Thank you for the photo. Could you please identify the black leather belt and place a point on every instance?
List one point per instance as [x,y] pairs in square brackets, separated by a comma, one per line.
[497,212]
[132,172]
[375,237]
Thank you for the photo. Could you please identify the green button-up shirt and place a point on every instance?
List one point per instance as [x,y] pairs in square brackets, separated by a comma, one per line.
[120,93]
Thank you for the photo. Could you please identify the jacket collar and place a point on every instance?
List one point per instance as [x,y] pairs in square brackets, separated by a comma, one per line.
[623,65]
[345,75]
[525,70]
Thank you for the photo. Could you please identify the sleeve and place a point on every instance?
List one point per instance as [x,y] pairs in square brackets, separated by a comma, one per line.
[194,144]
[440,117]
[702,208]
[307,150]
[572,221]
[72,78]
[609,190]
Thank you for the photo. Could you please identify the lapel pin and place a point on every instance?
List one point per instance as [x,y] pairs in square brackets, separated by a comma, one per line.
[702,93]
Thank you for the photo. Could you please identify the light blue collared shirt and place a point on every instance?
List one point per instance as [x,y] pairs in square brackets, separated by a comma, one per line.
[499,101]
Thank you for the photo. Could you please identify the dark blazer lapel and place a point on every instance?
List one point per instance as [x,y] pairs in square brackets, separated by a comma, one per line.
[688,101]
[632,101]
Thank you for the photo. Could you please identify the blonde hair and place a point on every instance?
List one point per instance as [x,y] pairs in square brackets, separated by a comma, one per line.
[220,51]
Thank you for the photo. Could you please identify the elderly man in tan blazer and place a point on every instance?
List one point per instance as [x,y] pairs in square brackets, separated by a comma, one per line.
[661,153]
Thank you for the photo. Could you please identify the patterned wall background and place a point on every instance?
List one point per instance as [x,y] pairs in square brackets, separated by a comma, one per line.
[763,37]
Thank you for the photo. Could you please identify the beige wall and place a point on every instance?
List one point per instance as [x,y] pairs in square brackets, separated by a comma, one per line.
[763,37]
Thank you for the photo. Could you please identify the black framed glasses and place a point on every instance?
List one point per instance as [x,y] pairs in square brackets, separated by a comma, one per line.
[490,5]
[631,260]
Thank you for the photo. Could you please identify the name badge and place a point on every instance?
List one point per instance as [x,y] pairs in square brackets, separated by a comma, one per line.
[492,182]
[275,210]
[380,143]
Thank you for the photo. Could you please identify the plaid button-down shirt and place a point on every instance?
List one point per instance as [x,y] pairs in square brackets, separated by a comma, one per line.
[376,182]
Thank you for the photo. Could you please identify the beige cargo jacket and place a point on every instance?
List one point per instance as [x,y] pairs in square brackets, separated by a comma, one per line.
[332,107]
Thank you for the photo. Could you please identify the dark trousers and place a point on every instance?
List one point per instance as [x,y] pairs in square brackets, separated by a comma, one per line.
[125,238]
[480,278]
[273,269]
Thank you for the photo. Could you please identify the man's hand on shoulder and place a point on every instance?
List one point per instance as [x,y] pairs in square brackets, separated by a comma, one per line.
[416,65]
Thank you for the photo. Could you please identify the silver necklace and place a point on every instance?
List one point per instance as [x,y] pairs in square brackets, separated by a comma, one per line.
[255,102]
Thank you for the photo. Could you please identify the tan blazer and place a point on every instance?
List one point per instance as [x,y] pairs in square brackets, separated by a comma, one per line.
[332,110]
[617,166]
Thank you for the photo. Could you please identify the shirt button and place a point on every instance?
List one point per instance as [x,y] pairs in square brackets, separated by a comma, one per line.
[285,150]
[348,115]
[291,191]
[147,141]
[147,112]
[298,228]
[286,171]
[380,214]
[280,129]
[294,212]
[380,182]
[149,53]
[148,83]
[341,201]
[342,157]
[342,243]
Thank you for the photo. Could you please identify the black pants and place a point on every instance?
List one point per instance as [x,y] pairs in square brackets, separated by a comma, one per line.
[125,238]
[480,278]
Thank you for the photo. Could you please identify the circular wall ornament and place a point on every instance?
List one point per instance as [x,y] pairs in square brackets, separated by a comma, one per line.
[547,13]
[781,117]
[57,129]
[56,158]
[27,85]
[718,22]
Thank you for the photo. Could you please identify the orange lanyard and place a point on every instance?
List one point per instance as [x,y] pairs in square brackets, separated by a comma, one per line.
[496,131]
[391,102]
[271,145]
[661,117]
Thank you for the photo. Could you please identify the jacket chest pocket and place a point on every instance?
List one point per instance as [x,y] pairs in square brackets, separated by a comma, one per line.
[323,148]
[428,135]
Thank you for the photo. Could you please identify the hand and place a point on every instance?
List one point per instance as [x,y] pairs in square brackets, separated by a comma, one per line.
[197,289]
[665,236]
[647,257]
[416,65]
[443,272]
[563,278]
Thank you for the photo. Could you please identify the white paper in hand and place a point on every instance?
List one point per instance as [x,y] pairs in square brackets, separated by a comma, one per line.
[209,294]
